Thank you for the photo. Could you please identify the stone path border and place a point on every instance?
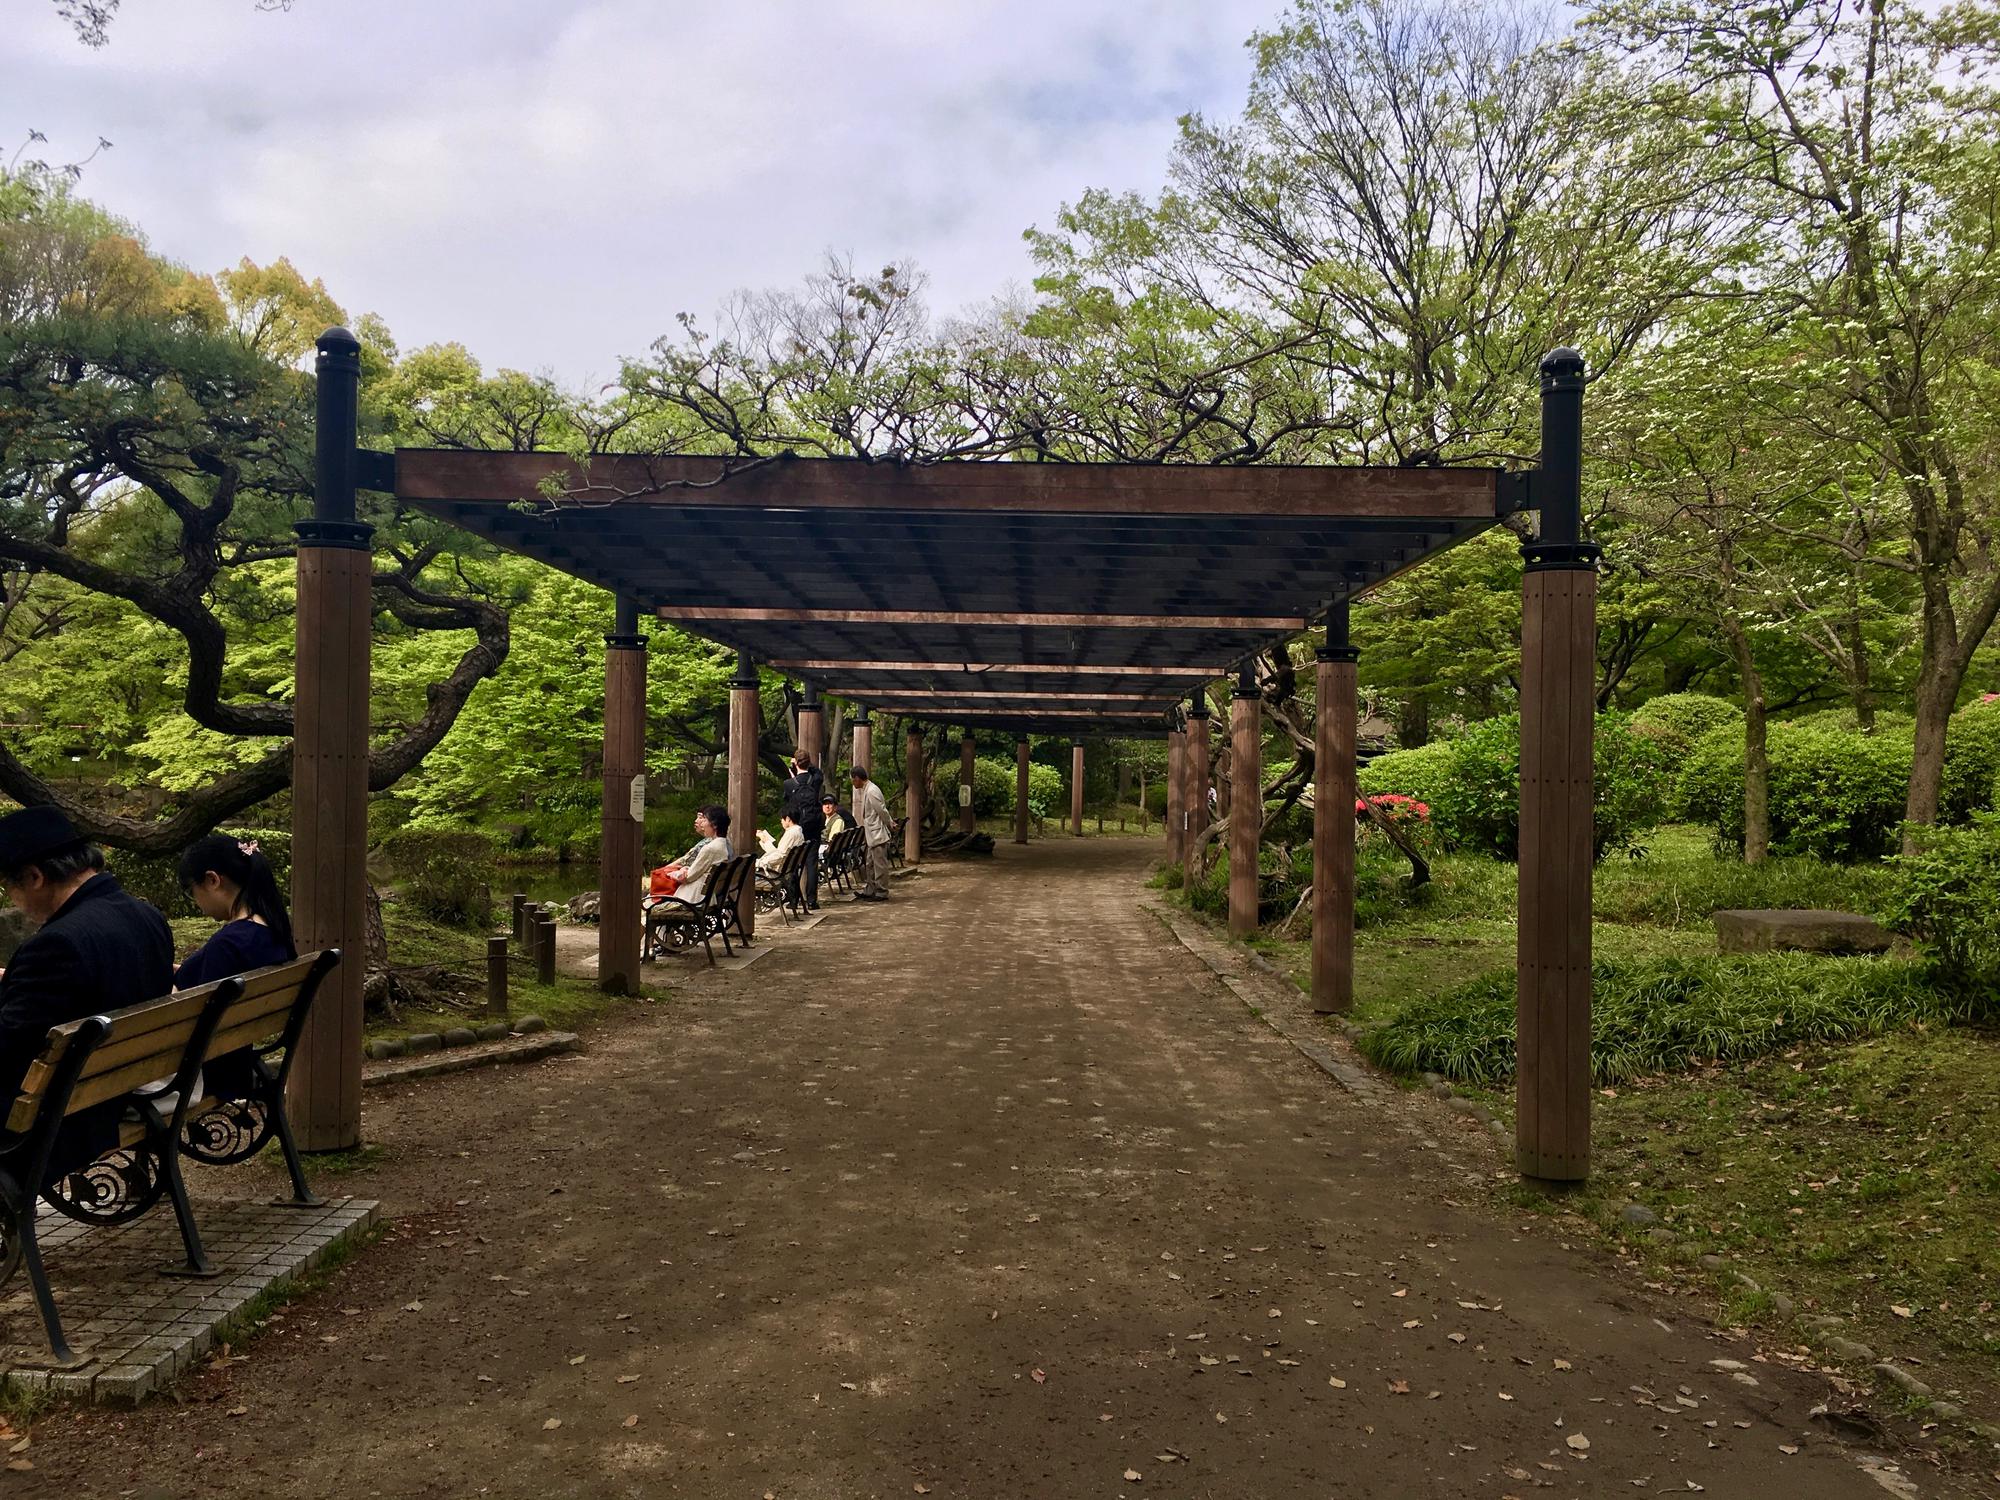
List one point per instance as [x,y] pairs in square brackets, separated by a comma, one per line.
[514,1049]
[142,1329]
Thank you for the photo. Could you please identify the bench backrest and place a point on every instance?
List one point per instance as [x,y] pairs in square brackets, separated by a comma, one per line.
[725,892]
[273,1003]
[138,1045]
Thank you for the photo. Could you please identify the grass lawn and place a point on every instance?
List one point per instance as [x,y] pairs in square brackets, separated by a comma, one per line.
[1859,1180]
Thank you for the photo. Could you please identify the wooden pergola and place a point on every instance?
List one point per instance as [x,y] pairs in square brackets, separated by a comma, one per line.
[1077,600]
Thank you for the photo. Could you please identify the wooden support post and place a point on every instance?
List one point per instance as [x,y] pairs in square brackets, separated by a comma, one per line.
[811,738]
[622,821]
[330,759]
[496,977]
[916,780]
[1197,770]
[1176,788]
[967,781]
[743,773]
[864,741]
[1076,788]
[1021,790]
[1558,672]
[545,948]
[1246,818]
[1333,822]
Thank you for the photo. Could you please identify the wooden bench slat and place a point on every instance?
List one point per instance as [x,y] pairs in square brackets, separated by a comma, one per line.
[230,1038]
[260,982]
[107,1086]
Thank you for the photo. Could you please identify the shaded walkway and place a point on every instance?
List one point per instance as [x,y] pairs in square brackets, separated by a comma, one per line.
[989,1192]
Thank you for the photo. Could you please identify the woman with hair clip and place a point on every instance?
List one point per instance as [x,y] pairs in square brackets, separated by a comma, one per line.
[227,879]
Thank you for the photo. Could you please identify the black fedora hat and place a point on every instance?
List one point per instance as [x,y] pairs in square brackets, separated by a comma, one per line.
[34,832]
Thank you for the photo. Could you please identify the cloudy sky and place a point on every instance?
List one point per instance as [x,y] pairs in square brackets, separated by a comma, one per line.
[550,183]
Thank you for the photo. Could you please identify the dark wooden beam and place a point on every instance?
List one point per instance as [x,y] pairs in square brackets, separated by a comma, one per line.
[852,484]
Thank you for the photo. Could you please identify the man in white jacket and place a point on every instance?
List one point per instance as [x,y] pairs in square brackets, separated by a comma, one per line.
[871,811]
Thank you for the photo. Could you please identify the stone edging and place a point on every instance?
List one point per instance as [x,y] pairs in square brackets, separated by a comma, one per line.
[421,1042]
[509,1049]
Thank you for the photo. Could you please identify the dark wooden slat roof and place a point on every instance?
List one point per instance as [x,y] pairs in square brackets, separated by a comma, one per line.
[956,582]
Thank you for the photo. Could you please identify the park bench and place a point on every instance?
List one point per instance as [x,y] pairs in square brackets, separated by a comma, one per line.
[681,924]
[135,1073]
[783,890]
[843,857]
[896,842]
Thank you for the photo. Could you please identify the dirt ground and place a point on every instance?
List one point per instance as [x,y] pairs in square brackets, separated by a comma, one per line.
[992,1191]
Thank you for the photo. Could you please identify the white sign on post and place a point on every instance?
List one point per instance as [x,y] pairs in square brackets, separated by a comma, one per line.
[639,798]
[964,795]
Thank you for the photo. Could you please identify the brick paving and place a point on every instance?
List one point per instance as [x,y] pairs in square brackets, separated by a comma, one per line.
[139,1327]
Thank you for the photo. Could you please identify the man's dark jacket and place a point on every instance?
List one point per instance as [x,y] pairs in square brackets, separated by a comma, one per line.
[101,951]
[803,794]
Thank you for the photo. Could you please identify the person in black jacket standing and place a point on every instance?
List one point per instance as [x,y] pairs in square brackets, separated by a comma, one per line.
[803,794]
[97,949]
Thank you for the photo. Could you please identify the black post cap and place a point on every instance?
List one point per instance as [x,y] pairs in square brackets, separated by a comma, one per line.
[1562,368]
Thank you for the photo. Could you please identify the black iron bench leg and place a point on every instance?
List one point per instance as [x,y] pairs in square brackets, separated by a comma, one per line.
[197,1257]
[302,1195]
[45,1302]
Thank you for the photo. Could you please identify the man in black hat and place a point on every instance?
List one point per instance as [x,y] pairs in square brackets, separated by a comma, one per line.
[97,949]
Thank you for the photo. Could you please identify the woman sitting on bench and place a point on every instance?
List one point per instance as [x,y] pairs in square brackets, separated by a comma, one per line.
[710,852]
[229,881]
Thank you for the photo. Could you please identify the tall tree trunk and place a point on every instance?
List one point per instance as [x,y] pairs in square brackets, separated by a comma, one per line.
[1756,749]
[1937,692]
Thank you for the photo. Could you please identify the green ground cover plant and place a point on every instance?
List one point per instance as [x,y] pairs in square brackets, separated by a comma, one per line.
[1671,1014]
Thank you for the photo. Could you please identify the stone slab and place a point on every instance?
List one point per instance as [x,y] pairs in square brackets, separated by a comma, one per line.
[1745,930]
[139,1329]
[513,1049]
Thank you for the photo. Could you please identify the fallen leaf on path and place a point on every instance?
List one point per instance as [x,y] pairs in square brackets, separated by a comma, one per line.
[632,1421]
[1134,1474]
[627,1379]
[1403,1291]
[1220,1417]
[1901,1311]
[921,1489]
[552,1424]
[1399,1387]
[1788,1447]
[21,1465]
[1504,1396]
[1336,1382]
[848,1385]
[1038,1376]
[1563,1364]
[413,1307]
[1414,1323]
[1456,1338]
[1578,1441]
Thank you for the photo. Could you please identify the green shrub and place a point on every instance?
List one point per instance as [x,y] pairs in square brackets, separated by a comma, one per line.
[1477,804]
[1947,896]
[1838,793]
[993,787]
[1672,1014]
[1971,761]
[154,878]
[1681,719]
[1835,793]
[1420,773]
[444,873]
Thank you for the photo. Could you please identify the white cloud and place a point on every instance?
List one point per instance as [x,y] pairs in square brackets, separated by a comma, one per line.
[550,184]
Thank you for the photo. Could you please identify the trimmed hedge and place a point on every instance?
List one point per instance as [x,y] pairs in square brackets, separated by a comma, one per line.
[1836,793]
[1472,784]
[993,787]
[1948,898]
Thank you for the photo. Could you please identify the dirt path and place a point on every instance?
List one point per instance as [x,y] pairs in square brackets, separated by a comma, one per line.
[991,1191]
